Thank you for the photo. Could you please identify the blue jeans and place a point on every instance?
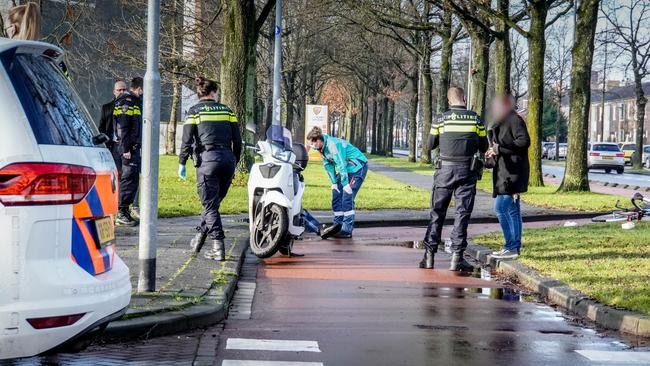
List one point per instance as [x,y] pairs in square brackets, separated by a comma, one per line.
[343,203]
[508,212]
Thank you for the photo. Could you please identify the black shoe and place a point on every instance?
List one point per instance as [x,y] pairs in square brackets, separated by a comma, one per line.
[427,260]
[328,232]
[218,251]
[197,241]
[459,264]
[124,219]
[342,235]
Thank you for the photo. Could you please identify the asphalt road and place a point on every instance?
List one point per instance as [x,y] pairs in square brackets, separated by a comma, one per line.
[364,302]
[600,176]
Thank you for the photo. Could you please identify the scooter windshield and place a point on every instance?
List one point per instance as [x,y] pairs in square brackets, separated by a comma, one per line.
[280,136]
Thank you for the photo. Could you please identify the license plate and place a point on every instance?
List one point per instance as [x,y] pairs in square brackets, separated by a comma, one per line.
[608,157]
[105,230]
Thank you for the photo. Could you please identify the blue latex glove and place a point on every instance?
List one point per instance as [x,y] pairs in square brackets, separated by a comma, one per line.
[182,172]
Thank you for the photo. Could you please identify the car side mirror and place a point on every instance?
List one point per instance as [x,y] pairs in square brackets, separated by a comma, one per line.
[250,127]
[102,138]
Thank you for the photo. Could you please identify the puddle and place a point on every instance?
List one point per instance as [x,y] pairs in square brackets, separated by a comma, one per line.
[505,293]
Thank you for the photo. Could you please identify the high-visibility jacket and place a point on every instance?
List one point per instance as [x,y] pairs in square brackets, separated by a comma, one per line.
[341,158]
[459,133]
[210,126]
[127,122]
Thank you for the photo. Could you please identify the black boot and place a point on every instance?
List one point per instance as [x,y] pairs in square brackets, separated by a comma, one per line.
[458,263]
[218,252]
[427,260]
[197,241]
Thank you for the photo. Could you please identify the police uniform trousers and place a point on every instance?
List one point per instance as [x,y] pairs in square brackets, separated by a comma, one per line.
[459,181]
[129,180]
[213,179]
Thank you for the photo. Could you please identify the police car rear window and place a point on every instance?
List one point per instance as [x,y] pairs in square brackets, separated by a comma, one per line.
[54,110]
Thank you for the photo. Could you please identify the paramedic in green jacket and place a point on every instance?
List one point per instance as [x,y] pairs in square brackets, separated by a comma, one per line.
[347,168]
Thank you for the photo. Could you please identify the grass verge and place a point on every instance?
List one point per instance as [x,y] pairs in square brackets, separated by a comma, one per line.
[179,198]
[546,196]
[601,260]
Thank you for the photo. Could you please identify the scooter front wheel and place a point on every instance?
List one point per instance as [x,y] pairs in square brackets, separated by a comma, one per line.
[270,230]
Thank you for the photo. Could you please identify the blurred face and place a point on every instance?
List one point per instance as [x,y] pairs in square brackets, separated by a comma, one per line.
[316,144]
[501,107]
[119,88]
[137,92]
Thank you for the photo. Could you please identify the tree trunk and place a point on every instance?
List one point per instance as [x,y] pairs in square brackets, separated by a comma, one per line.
[373,143]
[641,100]
[426,105]
[390,127]
[503,52]
[536,52]
[447,52]
[177,47]
[170,144]
[239,24]
[576,173]
[480,69]
[413,118]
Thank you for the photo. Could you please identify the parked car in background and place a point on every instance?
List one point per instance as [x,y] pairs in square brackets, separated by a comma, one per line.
[60,275]
[546,146]
[646,156]
[551,152]
[607,156]
[628,150]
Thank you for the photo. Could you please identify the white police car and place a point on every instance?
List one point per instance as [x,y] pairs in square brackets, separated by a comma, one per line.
[60,275]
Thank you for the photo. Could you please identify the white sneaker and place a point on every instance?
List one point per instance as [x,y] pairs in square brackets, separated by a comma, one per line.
[505,254]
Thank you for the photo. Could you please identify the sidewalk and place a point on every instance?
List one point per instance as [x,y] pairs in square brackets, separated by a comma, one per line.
[483,206]
[191,291]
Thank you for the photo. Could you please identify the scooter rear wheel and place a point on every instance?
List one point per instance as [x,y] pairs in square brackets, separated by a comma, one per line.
[270,229]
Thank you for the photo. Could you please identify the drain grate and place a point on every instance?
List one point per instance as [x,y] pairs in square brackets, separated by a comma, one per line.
[242,302]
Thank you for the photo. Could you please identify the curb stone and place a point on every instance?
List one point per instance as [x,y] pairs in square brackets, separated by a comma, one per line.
[558,293]
[212,310]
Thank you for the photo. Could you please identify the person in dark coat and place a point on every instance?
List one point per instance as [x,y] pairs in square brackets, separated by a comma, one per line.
[106,122]
[510,142]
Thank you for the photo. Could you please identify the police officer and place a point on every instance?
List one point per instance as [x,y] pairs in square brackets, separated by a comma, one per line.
[459,134]
[212,138]
[127,119]
[136,89]
[106,122]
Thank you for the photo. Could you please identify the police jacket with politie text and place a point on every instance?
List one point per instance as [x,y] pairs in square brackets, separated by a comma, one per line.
[127,121]
[459,133]
[210,126]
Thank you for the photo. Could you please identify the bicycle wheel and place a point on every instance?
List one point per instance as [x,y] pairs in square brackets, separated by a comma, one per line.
[616,216]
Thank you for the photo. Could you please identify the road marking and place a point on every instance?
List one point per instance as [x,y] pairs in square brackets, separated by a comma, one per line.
[272,345]
[616,356]
[267,363]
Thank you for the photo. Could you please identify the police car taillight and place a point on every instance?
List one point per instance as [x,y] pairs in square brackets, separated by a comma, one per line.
[23,184]
[54,321]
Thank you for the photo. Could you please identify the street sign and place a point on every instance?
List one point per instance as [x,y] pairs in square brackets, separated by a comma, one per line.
[315,116]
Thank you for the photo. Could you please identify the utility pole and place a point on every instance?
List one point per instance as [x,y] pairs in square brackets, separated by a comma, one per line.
[150,145]
[277,65]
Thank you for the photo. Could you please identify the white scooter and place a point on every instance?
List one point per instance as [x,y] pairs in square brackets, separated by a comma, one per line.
[275,190]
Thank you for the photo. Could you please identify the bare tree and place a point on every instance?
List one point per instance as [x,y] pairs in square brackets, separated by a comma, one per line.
[576,173]
[629,21]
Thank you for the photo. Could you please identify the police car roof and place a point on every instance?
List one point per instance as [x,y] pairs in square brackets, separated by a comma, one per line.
[32,47]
